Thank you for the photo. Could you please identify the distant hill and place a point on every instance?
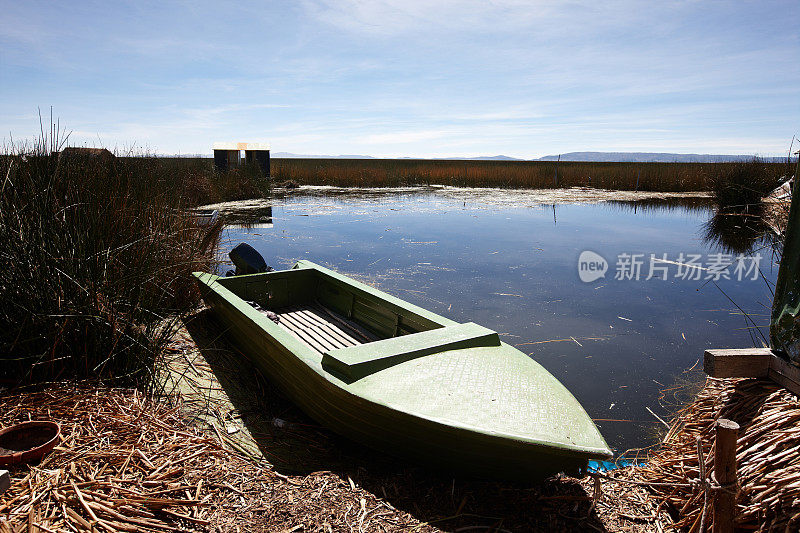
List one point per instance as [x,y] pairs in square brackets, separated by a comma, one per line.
[653,157]
[482,158]
[610,157]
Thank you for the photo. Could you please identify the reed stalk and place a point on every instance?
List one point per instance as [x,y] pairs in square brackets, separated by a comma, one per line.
[96,255]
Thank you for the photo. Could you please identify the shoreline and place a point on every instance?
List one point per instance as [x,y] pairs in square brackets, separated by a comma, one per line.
[489,196]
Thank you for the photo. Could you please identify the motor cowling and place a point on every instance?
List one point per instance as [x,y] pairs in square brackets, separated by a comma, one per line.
[247,260]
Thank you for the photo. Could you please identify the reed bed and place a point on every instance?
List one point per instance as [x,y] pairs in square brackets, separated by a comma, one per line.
[96,256]
[199,184]
[123,464]
[129,464]
[95,263]
[768,455]
[742,185]
[654,177]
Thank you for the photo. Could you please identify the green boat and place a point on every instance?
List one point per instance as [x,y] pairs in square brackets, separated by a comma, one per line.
[402,379]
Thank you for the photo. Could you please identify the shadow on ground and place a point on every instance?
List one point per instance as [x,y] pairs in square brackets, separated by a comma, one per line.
[297,446]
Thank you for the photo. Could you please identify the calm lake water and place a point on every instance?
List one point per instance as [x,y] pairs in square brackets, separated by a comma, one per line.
[620,345]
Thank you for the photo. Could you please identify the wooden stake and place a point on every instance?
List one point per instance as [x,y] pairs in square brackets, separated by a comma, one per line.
[725,475]
[5,481]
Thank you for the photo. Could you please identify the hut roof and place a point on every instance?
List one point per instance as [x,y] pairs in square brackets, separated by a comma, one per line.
[84,152]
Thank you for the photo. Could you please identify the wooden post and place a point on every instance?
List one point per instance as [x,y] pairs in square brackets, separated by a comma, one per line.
[555,180]
[5,481]
[725,475]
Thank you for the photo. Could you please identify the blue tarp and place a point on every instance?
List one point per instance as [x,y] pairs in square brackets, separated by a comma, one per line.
[607,466]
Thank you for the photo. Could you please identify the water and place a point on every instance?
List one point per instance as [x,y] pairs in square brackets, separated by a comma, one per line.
[513,266]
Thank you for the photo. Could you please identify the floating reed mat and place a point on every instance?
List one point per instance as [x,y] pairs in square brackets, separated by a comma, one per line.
[123,464]
[767,456]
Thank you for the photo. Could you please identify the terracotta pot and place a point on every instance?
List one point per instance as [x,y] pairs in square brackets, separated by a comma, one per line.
[28,441]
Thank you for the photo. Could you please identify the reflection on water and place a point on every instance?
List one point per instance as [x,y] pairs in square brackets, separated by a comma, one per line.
[738,232]
[253,218]
[513,267]
[701,204]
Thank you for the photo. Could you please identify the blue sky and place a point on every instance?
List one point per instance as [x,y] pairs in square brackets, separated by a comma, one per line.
[407,78]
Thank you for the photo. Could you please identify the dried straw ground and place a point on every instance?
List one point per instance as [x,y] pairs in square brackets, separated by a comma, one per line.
[224,451]
[227,452]
[123,464]
[768,455]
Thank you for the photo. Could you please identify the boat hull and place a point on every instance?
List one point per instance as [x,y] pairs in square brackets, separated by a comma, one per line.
[399,426]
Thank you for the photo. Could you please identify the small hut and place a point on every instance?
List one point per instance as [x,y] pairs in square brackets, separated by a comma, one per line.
[100,154]
[228,155]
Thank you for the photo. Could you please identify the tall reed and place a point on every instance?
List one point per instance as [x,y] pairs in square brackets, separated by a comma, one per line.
[742,185]
[200,184]
[658,177]
[96,255]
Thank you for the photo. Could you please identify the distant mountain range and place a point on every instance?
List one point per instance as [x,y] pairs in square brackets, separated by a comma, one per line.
[654,157]
[611,157]
[599,157]
[483,158]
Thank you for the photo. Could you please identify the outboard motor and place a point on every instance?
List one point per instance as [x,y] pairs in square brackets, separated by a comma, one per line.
[247,260]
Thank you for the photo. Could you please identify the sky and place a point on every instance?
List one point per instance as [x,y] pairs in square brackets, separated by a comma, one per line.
[396,78]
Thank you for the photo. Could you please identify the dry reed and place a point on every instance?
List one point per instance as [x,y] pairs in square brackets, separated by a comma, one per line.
[123,464]
[96,256]
[656,177]
[768,455]
[128,464]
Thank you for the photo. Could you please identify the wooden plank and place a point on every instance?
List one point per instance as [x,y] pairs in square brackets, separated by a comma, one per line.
[294,334]
[301,322]
[313,328]
[309,332]
[336,335]
[332,329]
[359,331]
[752,363]
[319,331]
[737,363]
[300,332]
[784,373]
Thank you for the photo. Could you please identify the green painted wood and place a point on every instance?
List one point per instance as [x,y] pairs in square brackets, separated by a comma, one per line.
[784,331]
[356,362]
[485,410]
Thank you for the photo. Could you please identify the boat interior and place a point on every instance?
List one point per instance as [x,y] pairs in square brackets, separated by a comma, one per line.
[324,312]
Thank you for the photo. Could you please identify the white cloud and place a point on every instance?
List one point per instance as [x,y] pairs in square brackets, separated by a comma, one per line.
[393,17]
